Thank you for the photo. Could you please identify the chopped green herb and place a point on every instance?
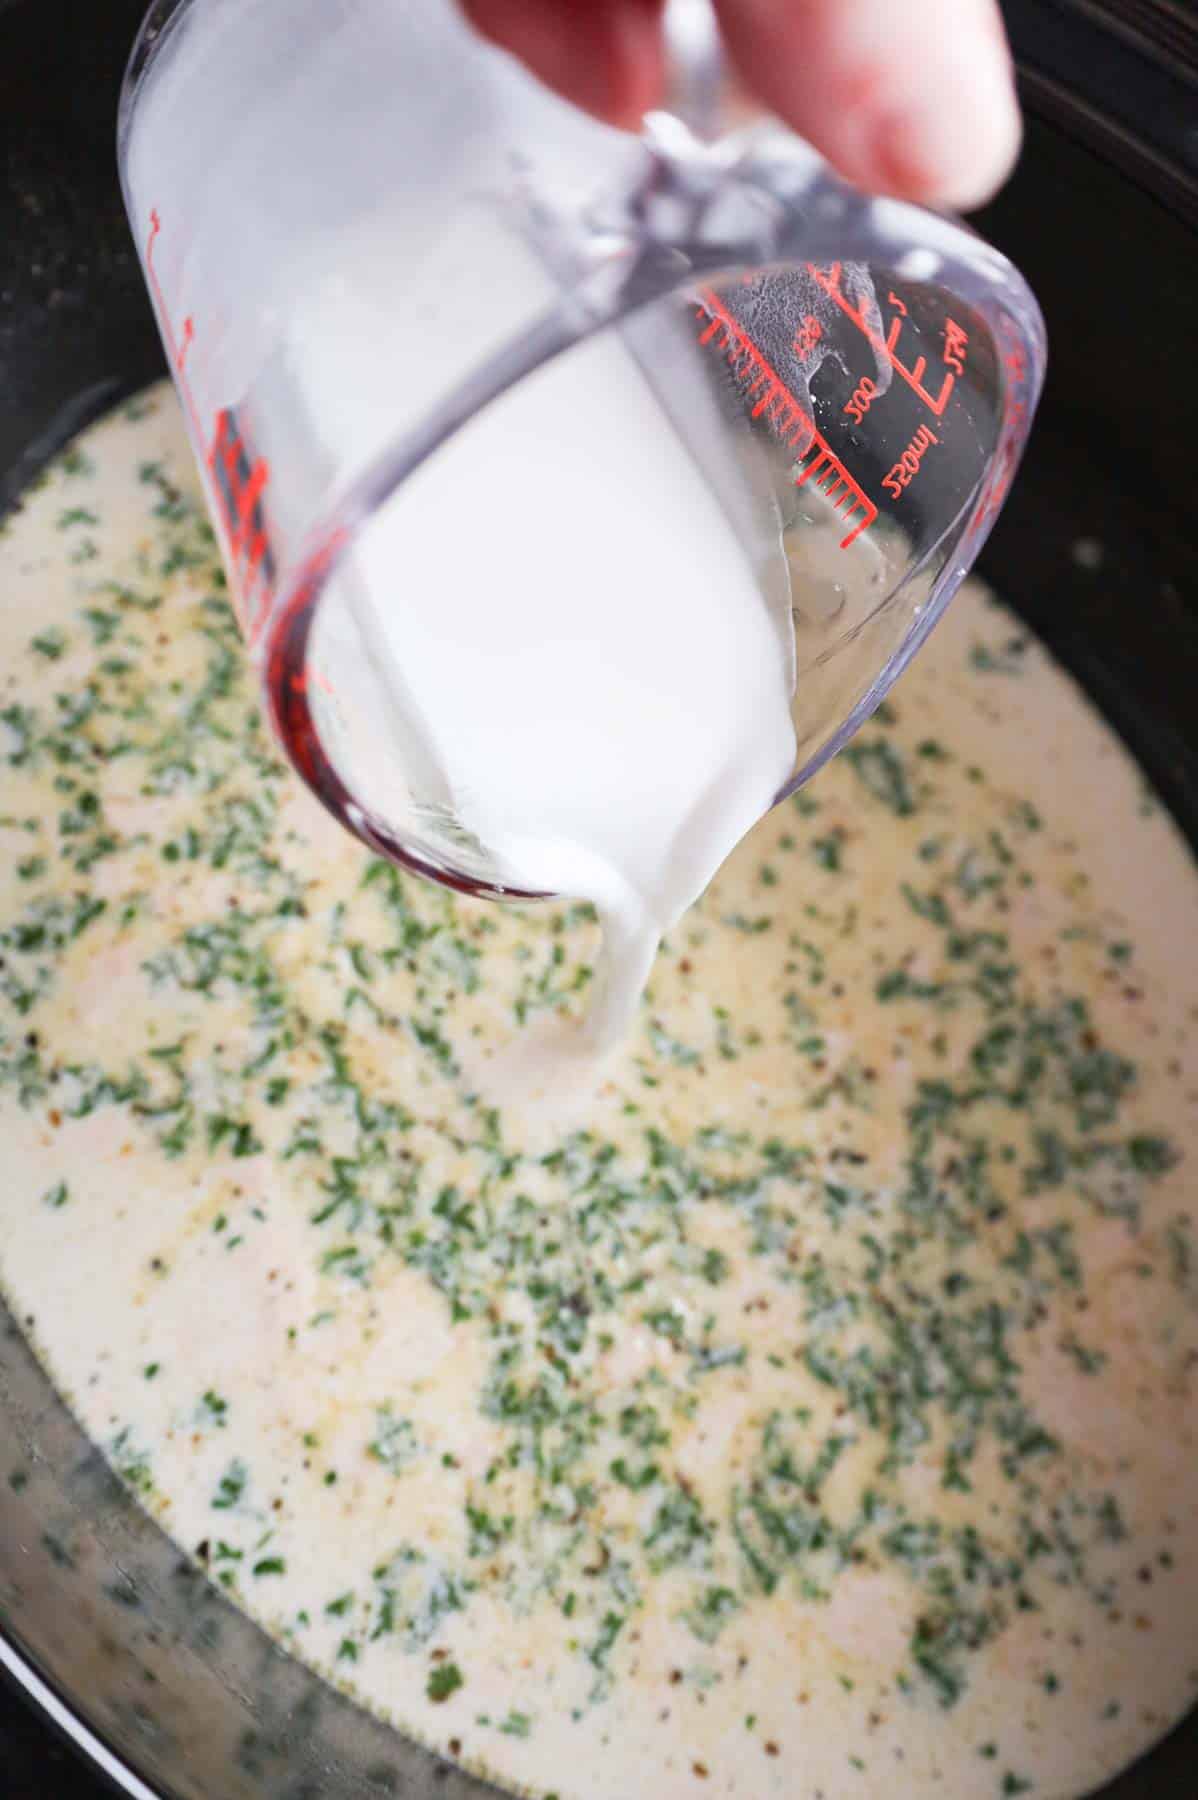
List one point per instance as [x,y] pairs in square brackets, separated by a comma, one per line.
[444,1681]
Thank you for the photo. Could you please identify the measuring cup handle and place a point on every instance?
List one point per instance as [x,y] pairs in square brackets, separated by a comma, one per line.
[701,87]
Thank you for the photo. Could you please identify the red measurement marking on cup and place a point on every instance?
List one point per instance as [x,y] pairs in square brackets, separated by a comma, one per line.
[956,340]
[909,463]
[1015,413]
[807,337]
[861,399]
[238,478]
[774,401]
[175,349]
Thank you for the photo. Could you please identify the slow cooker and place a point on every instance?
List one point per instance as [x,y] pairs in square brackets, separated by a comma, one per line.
[160,1686]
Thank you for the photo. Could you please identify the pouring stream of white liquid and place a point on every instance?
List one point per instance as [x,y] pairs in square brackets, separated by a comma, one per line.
[600,687]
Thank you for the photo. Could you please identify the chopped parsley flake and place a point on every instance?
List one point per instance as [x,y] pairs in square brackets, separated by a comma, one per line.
[444,1681]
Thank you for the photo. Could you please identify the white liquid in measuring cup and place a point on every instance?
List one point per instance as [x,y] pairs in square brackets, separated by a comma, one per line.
[551,635]
[601,686]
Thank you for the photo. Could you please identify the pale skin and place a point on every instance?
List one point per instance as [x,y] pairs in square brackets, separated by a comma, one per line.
[907,97]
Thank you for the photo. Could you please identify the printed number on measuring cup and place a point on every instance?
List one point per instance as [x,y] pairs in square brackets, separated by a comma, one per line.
[860,399]
[955,341]
[907,467]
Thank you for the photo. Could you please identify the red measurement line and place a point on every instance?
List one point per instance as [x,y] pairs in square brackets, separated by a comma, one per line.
[247,540]
[176,351]
[790,420]
[226,444]
[247,499]
[829,280]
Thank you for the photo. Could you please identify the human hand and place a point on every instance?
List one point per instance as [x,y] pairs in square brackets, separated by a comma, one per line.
[906,97]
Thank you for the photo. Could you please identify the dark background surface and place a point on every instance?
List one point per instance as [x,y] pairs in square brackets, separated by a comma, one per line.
[1115,273]
[35,1762]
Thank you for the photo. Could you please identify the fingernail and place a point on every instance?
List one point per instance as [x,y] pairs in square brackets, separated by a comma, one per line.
[955,154]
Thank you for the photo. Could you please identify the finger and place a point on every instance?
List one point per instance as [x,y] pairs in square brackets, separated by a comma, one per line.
[606,56]
[907,97]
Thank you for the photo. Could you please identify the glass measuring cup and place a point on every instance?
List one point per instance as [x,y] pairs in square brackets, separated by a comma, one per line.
[368,235]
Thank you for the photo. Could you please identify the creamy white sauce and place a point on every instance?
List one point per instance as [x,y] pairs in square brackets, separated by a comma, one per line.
[814,1421]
